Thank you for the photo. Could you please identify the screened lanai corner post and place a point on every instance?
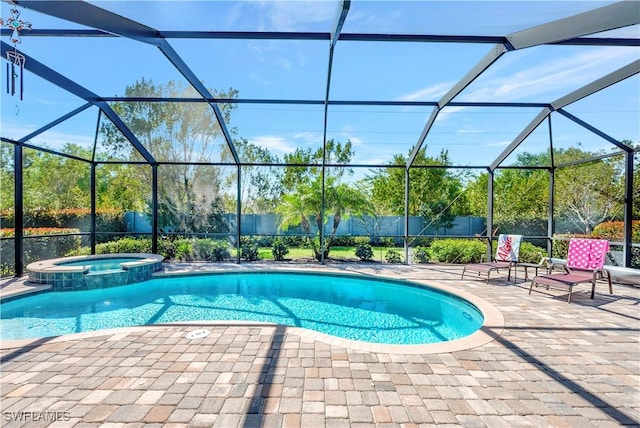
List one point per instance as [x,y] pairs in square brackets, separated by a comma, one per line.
[238,213]
[92,184]
[154,208]
[490,200]
[92,228]
[550,210]
[550,215]
[406,214]
[628,209]
[18,218]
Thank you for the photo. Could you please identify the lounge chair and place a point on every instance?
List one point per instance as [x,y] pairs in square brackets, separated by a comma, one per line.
[506,257]
[585,263]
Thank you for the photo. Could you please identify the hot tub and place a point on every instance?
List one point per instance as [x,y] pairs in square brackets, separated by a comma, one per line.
[97,271]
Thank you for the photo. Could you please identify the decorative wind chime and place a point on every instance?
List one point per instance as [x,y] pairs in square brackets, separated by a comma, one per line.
[15,65]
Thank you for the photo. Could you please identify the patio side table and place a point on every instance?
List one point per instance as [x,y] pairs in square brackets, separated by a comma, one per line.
[535,266]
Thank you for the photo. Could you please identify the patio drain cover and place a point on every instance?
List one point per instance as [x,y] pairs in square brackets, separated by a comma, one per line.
[198,334]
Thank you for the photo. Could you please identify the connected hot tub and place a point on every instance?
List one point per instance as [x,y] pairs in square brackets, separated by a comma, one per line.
[97,271]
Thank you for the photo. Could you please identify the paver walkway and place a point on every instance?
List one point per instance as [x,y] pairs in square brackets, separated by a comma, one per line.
[554,365]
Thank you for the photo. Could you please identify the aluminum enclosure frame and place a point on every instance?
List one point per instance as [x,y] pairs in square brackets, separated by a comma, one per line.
[567,31]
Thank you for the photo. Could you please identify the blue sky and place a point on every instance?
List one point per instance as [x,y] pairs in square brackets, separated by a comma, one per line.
[361,71]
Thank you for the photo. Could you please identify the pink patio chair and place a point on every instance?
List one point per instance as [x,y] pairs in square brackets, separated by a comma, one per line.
[585,263]
[506,257]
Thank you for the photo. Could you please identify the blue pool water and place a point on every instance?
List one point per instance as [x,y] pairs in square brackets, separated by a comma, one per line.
[344,306]
[101,264]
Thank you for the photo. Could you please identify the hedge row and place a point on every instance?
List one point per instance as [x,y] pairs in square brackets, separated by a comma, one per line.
[106,220]
[473,251]
[41,246]
[614,231]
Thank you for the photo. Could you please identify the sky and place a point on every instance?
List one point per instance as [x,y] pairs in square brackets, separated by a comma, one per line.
[363,71]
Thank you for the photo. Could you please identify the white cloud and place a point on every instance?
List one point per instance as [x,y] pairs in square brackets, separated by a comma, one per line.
[51,139]
[274,143]
[309,137]
[544,80]
[279,15]
[431,93]
[498,144]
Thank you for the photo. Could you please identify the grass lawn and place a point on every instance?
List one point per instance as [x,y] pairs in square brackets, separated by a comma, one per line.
[348,253]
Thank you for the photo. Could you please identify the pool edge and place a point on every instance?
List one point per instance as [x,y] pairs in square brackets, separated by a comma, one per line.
[492,326]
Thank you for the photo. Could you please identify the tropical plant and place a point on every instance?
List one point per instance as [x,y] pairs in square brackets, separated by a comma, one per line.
[279,249]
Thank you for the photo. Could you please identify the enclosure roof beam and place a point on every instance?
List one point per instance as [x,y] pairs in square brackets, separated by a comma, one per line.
[184,69]
[338,23]
[314,36]
[321,102]
[341,16]
[44,149]
[87,14]
[606,18]
[617,15]
[55,122]
[597,85]
[63,82]
[423,136]
[595,130]
[540,117]
[491,57]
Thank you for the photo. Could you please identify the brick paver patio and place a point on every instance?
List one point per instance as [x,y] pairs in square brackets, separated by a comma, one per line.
[554,365]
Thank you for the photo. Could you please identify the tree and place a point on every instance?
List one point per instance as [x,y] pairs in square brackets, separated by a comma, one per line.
[585,194]
[302,203]
[436,194]
[260,186]
[6,178]
[53,182]
[189,194]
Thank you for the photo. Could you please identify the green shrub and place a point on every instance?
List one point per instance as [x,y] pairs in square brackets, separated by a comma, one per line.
[279,249]
[457,250]
[529,253]
[167,248]
[342,241]
[42,244]
[614,231]
[421,254]
[249,249]
[220,251]
[203,249]
[393,256]
[364,251]
[561,246]
[184,249]
[387,242]
[296,241]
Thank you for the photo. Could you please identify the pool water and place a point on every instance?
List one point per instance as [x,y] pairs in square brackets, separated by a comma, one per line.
[101,264]
[350,307]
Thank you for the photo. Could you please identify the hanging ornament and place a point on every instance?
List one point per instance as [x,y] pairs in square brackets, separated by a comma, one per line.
[15,65]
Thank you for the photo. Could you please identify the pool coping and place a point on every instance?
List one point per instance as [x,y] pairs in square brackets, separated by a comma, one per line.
[51,265]
[491,328]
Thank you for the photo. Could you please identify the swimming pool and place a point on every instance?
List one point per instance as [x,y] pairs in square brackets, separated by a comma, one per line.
[352,307]
[95,271]
[101,263]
